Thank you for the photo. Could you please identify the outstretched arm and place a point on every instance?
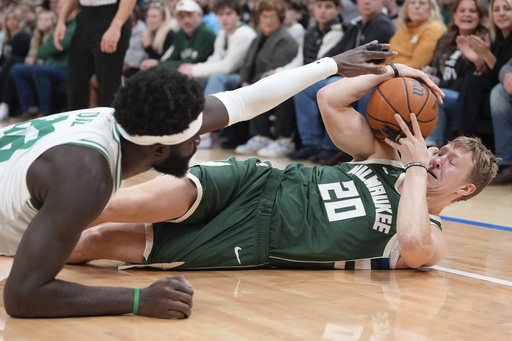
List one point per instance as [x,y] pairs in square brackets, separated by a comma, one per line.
[243,104]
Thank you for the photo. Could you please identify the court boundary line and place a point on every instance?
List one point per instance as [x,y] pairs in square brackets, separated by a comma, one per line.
[477,223]
[472,275]
[469,274]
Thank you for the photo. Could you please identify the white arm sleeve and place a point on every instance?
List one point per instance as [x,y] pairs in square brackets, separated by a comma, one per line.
[248,102]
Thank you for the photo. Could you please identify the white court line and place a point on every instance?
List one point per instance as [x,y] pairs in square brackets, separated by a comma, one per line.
[471,275]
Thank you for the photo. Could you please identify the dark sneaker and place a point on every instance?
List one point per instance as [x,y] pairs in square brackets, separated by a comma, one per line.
[331,157]
[304,153]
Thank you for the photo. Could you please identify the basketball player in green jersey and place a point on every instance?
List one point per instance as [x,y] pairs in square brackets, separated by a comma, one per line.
[371,213]
[57,174]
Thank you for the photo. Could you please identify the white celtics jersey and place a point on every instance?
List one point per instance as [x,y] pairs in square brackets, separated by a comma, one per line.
[22,143]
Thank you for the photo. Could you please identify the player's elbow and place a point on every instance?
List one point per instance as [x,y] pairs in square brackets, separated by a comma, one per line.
[324,97]
[15,301]
[413,251]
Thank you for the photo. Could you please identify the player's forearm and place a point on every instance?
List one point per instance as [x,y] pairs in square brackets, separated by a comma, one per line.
[246,103]
[413,222]
[127,206]
[63,299]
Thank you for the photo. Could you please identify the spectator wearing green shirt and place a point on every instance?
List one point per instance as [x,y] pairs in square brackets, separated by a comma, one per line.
[193,43]
[49,73]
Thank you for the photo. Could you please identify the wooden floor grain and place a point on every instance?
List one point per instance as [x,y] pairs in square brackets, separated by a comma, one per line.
[467,297]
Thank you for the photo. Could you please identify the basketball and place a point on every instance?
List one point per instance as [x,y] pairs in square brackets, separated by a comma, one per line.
[402,95]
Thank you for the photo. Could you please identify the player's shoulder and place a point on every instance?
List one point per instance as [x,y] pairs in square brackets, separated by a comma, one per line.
[78,157]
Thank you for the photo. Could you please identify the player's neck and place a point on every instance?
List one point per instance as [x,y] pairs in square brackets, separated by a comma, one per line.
[135,159]
[436,205]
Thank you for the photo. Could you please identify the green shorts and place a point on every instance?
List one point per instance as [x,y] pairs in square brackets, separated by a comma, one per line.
[228,226]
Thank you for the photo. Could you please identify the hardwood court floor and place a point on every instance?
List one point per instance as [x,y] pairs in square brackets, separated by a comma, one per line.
[467,297]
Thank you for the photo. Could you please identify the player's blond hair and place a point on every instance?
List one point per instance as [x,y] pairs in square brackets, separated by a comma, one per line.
[485,163]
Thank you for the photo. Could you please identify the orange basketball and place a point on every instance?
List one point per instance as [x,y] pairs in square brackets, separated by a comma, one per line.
[402,95]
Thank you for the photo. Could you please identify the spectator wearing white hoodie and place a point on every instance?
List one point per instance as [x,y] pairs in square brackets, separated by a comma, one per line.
[230,49]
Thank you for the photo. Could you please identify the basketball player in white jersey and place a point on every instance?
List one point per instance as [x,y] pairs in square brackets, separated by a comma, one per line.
[57,174]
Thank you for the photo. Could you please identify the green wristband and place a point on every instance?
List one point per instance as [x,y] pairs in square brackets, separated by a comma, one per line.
[136,297]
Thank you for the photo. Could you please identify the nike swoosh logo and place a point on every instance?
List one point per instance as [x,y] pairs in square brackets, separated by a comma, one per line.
[237,250]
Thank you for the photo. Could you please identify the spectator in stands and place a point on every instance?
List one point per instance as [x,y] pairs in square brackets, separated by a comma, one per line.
[501,110]
[292,17]
[45,24]
[193,43]
[28,14]
[45,75]
[98,46]
[230,49]
[159,36]
[490,54]
[15,48]
[317,146]
[421,28]
[231,44]
[135,53]
[272,47]
[449,65]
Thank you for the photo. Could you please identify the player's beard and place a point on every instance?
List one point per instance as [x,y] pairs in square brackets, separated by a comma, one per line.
[176,164]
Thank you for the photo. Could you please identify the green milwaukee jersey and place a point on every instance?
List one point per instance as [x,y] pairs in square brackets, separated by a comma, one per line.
[249,214]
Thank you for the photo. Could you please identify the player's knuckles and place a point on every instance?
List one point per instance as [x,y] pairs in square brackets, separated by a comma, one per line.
[177,315]
[165,308]
[176,310]
[178,296]
[178,283]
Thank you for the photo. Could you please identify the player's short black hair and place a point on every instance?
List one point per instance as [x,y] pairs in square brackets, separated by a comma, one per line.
[158,101]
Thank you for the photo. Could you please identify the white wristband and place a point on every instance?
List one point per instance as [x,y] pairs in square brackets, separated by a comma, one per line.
[248,102]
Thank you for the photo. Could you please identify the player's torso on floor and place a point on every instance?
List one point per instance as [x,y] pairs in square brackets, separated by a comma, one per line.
[335,213]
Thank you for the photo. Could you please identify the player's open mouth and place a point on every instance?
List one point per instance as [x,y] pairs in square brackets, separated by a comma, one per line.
[431,173]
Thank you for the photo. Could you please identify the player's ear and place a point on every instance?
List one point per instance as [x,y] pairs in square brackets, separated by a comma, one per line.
[467,189]
[160,151]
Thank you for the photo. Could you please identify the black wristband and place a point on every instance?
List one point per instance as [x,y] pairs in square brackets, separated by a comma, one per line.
[393,66]
[415,164]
